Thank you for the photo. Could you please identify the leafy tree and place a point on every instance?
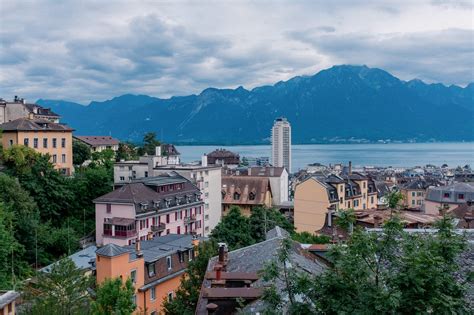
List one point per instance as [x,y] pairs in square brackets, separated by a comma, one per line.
[105,157]
[126,151]
[149,144]
[263,220]
[114,298]
[18,159]
[187,294]
[394,199]
[234,230]
[62,291]
[81,152]
[308,238]
[345,219]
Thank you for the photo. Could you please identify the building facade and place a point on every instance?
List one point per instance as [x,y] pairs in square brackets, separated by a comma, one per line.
[414,192]
[149,207]
[155,268]
[44,137]
[448,197]
[19,108]
[99,143]
[281,144]
[319,193]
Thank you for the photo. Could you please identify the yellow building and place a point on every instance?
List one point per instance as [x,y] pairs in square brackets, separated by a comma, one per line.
[43,136]
[414,192]
[315,195]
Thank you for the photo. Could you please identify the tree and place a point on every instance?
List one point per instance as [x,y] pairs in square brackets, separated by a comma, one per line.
[126,151]
[81,152]
[263,220]
[394,199]
[103,158]
[114,298]
[187,294]
[18,159]
[61,291]
[234,230]
[149,144]
[345,219]
[308,238]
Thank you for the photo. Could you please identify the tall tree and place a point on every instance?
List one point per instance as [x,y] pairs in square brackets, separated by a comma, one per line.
[234,229]
[81,152]
[150,142]
[114,298]
[263,220]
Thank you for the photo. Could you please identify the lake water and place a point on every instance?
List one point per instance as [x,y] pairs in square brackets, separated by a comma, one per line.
[396,154]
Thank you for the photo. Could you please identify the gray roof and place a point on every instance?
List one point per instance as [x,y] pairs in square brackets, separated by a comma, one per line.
[7,297]
[26,124]
[82,259]
[276,232]
[436,194]
[162,246]
[112,250]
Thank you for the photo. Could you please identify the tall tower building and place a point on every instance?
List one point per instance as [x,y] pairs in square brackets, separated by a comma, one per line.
[281,143]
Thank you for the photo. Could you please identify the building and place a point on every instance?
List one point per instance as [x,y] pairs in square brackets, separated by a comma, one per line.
[19,108]
[43,136]
[8,302]
[83,259]
[99,143]
[448,197]
[464,215]
[245,192]
[233,282]
[414,192]
[223,157]
[279,184]
[155,267]
[206,177]
[281,144]
[149,207]
[318,193]
[256,161]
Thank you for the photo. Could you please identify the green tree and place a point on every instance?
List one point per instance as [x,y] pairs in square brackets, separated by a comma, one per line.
[234,230]
[263,220]
[114,298]
[394,199]
[105,157]
[149,144]
[345,219]
[81,152]
[61,291]
[126,151]
[18,159]
[308,238]
[187,294]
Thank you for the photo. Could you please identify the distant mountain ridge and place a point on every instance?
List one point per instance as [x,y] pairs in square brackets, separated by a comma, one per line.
[340,104]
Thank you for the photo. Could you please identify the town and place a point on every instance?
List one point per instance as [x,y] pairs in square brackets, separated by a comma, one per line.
[90,224]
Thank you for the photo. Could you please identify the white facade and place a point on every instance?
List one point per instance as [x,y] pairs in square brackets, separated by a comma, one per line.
[281,144]
[279,186]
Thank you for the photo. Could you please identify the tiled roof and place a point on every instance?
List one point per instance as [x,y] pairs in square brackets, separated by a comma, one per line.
[162,246]
[222,153]
[245,187]
[39,110]
[112,250]
[98,140]
[269,171]
[26,124]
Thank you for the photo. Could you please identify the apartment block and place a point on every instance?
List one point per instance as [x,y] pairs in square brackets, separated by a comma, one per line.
[281,144]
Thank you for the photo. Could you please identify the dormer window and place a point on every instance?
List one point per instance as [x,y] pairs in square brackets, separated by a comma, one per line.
[252,196]
[156,203]
[144,205]
[236,196]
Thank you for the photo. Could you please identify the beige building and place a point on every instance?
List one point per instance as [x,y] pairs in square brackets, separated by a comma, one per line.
[43,136]
[414,192]
[315,195]
[99,143]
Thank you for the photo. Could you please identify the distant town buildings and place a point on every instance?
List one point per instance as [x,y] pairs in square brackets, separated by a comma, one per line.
[256,161]
[149,207]
[448,197]
[281,144]
[414,192]
[19,108]
[99,143]
[223,157]
[43,136]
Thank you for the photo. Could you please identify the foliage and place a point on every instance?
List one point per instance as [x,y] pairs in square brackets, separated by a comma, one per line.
[263,220]
[114,298]
[187,294]
[345,219]
[81,152]
[308,238]
[149,144]
[394,199]
[234,230]
[18,159]
[62,291]
[126,151]
[105,157]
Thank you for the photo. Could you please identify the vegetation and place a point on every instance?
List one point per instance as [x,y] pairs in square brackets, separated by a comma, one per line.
[308,238]
[394,199]
[81,152]
[187,294]
[149,144]
[114,298]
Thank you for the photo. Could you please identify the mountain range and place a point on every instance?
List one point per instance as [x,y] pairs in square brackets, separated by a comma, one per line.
[340,104]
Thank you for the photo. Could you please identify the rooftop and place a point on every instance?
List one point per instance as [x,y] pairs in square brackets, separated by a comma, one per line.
[6,297]
[98,140]
[26,124]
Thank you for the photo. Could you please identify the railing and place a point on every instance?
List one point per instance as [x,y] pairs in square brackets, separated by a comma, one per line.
[158,227]
[120,234]
[190,219]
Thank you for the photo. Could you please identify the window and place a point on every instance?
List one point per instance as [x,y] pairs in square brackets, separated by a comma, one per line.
[419,202]
[134,300]
[122,178]
[181,257]
[178,230]
[461,196]
[446,195]
[170,296]
[146,174]
[363,184]
[236,196]
[252,196]
[151,270]
[371,199]
[153,294]
[35,143]
[45,142]
[63,142]
[413,194]
[55,158]
[413,202]
[133,275]
[206,195]
[168,262]
[63,158]
[55,142]
[419,194]
[153,313]
[167,218]
[26,141]
[341,189]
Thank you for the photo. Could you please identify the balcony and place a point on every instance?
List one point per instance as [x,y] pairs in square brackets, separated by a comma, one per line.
[158,227]
[190,219]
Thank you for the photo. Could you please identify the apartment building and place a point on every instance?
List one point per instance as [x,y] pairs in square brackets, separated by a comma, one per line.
[318,193]
[281,144]
[448,197]
[99,143]
[206,177]
[149,207]
[414,192]
[43,136]
[19,108]
[155,267]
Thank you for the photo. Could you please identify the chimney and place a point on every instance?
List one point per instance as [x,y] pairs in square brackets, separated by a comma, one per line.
[218,270]
[138,248]
[350,167]
[221,253]
[204,160]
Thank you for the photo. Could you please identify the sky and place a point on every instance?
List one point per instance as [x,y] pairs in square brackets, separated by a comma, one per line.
[96,50]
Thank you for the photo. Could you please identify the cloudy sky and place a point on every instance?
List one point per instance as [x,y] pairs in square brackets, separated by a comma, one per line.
[95,50]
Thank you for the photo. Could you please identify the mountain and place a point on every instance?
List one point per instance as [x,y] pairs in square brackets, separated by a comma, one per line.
[340,104]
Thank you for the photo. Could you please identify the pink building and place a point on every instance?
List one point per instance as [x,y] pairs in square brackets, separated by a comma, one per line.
[148,207]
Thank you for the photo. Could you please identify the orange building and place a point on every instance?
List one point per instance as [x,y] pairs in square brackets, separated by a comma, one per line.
[155,267]
[43,136]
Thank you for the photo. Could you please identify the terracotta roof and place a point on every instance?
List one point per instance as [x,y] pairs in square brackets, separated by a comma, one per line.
[97,140]
[245,187]
[26,124]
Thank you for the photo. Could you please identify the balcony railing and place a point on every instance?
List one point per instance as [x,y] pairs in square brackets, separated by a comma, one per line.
[158,227]
[190,219]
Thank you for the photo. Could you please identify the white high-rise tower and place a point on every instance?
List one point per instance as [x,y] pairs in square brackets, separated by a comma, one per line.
[281,143]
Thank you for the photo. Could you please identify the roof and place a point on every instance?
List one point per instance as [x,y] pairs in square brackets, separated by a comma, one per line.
[420,184]
[112,250]
[6,297]
[269,171]
[464,215]
[162,246]
[39,110]
[26,124]
[222,153]
[129,193]
[82,259]
[169,150]
[98,140]
[276,232]
[245,187]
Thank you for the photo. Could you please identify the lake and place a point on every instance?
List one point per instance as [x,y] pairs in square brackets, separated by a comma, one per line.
[394,154]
